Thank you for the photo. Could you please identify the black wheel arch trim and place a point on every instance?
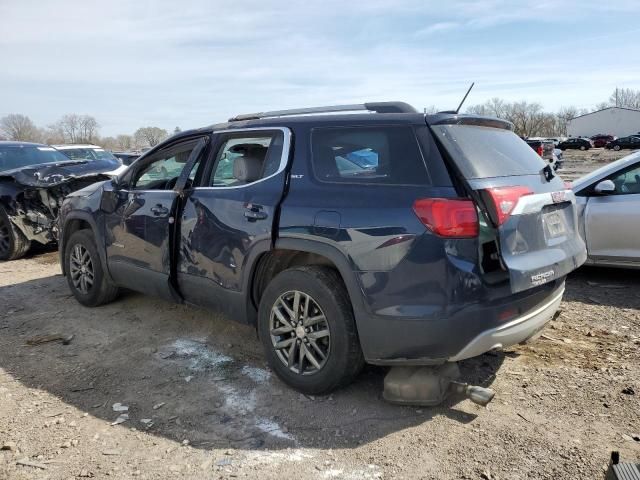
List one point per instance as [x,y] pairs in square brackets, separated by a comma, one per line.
[339,260]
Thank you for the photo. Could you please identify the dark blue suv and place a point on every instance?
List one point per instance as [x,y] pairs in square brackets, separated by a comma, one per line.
[388,237]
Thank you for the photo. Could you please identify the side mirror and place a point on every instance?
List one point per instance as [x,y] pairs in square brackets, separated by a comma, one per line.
[604,187]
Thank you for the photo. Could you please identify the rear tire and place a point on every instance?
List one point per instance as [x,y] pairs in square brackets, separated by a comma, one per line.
[583,148]
[617,148]
[85,275]
[323,323]
[13,243]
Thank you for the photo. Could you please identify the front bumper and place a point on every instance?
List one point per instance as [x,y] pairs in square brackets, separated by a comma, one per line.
[512,333]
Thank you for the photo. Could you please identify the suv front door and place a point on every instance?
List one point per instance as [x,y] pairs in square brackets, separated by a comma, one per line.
[139,239]
[231,215]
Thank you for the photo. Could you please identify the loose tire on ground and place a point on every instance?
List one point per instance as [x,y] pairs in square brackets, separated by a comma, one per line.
[343,358]
[13,243]
[96,289]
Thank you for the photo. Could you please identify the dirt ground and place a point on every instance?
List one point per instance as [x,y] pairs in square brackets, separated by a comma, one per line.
[578,163]
[202,404]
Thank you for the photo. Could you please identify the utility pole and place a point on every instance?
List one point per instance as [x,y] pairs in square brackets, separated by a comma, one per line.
[616,96]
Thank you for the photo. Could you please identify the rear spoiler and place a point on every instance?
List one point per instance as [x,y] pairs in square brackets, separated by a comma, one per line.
[478,121]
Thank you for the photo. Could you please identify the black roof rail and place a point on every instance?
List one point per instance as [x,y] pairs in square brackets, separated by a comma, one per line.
[377,107]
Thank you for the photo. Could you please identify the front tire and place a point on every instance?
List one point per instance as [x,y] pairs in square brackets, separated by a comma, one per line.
[85,275]
[307,329]
[583,148]
[617,148]
[13,243]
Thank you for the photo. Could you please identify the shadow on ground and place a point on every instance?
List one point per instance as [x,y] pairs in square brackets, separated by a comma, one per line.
[192,374]
[604,286]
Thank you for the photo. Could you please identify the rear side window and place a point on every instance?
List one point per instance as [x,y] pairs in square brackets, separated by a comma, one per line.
[481,152]
[380,155]
[245,158]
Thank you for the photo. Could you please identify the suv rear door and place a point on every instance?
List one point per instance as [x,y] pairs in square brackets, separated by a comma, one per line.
[526,209]
[231,211]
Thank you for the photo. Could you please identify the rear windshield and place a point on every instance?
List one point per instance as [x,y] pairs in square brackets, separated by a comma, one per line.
[18,156]
[378,155]
[481,152]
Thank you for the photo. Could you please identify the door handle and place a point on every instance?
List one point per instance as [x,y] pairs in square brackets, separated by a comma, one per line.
[159,210]
[254,212]
[253,215]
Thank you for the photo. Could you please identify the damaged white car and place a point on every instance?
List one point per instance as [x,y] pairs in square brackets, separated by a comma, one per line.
[34,179]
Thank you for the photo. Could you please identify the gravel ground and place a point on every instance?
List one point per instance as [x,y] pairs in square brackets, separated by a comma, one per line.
[202,404]
[578,163]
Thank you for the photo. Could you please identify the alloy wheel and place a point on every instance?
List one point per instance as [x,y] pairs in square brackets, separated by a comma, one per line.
[81,269]
[5,237]
[300,333]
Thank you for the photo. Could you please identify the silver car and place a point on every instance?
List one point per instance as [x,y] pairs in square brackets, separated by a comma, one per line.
[608,202]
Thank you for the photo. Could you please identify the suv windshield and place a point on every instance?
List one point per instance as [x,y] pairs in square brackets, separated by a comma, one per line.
[18,156]
[481,152]
[88,154]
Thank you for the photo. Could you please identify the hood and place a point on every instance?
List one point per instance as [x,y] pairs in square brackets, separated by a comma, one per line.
[51,174]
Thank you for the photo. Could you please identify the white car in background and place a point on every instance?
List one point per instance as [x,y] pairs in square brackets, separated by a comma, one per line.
[92,152]
[608,202]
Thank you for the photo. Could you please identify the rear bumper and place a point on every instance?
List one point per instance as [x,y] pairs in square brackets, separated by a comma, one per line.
[438,336]
[512,333]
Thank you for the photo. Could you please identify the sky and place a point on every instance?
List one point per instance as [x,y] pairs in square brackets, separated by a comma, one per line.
[191,63]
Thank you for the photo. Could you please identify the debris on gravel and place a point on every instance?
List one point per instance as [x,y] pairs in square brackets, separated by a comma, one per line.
[560,407]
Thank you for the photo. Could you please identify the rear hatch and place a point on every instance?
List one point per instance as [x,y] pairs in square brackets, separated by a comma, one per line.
[528,221]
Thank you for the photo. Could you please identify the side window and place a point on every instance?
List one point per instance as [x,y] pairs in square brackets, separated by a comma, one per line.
[164,170]
[627,183]
[244,158]
[387,155]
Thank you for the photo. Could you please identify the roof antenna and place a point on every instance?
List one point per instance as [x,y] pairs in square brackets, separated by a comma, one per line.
[465,97]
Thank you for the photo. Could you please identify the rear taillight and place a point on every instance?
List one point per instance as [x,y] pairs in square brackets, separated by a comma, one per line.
[453,218]
[505,199]
[540,150]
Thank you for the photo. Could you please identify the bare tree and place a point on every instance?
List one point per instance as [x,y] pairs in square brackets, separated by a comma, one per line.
[19,127]
[601,106]
[125,142]
[496,107]
[625,97]
[176,130]
[109,143]
[76,128]
[68,127]
[150,136]
[88,127]
[562,119]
